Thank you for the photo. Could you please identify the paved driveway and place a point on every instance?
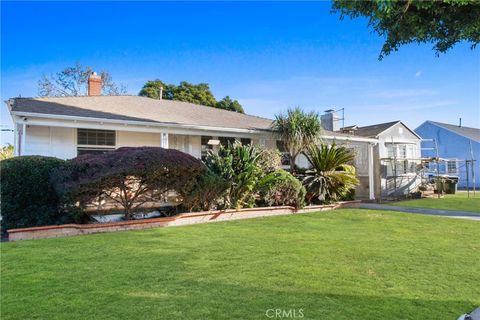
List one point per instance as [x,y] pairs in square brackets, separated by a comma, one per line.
[433,212]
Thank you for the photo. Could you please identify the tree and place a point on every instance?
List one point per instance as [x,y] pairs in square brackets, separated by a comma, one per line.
[442,22]
[194,93]
[331,177]
[73,81]
[229,104]
[6,152]
[128,176]
[297,130]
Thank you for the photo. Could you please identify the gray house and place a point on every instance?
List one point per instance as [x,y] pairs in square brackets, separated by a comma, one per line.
[398,157]
[457,146]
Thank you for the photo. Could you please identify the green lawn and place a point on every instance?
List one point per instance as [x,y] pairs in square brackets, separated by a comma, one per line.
[457,201]
[344,264]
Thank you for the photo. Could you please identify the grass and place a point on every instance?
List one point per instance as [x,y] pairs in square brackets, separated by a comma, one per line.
[458,201]
[344,264]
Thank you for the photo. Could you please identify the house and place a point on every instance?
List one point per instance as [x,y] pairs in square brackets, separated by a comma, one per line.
[398,157]
[65,127]
[457,146]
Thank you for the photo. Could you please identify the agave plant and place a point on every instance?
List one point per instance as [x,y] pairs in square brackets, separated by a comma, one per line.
[331,177]
[238,165]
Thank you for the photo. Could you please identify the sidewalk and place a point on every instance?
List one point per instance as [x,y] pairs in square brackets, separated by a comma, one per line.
[433,212]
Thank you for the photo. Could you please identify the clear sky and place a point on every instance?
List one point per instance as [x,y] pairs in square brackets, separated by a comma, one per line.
[269,56]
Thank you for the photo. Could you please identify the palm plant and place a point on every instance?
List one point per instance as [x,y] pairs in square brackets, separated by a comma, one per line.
[238,165]
[331,177]
[298,130]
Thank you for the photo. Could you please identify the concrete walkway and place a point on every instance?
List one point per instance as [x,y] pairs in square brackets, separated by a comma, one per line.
[433,212]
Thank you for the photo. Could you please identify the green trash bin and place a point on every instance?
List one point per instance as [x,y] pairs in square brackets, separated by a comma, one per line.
[451,185]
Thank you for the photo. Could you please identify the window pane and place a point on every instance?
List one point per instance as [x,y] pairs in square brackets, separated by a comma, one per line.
[245,141]
[96,137]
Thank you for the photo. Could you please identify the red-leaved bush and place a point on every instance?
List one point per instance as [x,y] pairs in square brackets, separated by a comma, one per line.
[129,176]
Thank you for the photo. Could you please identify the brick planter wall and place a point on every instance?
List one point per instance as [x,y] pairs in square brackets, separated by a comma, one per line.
[181,219]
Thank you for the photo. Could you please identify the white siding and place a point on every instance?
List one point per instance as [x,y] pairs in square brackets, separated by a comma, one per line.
[137,139]
[196,146]
[50,141]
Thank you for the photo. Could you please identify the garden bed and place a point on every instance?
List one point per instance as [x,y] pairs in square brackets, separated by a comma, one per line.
[181,219]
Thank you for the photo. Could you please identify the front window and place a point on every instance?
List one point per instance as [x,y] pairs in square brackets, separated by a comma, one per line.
[452,167]
[94,141]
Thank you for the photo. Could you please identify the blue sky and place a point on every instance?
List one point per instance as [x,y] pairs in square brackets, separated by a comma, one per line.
[269,56]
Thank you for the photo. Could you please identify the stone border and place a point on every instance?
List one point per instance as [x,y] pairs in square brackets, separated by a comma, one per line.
[180,219]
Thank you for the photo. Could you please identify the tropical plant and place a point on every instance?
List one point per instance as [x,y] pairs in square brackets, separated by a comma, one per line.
[128,176]
[6,152]
[238,165]
[28,198]
[331,177]
[206,193]
[281,188]
[297,130]
[270,160]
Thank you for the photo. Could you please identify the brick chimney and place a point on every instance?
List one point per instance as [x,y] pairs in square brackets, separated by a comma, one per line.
[94,85]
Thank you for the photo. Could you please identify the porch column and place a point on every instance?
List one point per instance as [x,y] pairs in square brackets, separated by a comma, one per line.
[24,136]
[371,172]
[16,150]
[164,140]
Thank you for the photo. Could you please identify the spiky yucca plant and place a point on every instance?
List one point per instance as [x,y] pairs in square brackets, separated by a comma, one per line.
[331,177]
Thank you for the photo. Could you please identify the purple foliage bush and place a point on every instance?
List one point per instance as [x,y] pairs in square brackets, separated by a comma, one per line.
[128,176]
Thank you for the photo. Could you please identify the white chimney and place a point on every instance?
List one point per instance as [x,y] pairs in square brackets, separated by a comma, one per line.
[330,120]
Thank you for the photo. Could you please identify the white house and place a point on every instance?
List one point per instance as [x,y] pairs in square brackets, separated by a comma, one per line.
[398,157]
[65,127]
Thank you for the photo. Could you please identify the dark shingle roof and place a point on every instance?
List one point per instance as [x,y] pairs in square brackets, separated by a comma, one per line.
[374,130]
[135,108]
[468,132]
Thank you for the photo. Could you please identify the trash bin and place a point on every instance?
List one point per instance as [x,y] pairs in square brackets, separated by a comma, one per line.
[450,186]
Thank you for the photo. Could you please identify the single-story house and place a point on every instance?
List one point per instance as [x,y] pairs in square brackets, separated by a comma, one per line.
[65,127]
[397,157]
[457,145]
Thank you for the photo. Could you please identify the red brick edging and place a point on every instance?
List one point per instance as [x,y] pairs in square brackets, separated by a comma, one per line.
[181,219]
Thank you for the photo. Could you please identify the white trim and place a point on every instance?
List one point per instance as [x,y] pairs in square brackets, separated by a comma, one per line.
[343,138]
[24,136]
[141,123]
[15,139]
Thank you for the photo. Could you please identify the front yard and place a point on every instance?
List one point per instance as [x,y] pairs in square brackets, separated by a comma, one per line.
[344,264]
[458,201]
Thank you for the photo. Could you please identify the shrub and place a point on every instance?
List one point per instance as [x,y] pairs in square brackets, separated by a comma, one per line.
[280,188]
[331,177]
[27,197]
[270,160]
[128,176]
[236,164]
[206,193]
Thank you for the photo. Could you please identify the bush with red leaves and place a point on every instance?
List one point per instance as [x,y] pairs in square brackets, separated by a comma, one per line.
[128,176]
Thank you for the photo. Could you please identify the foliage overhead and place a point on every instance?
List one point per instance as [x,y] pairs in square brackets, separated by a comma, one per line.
[194,93]
[238,165]
[73,81]
[28,198]
[442,22]
[6,152]
[281,188]
[298,130]
[331,177]
[128,176]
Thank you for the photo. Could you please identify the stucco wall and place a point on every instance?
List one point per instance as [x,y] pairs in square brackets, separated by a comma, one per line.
[451,146]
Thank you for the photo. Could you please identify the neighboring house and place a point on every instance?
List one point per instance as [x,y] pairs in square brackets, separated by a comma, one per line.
[65,127]
[398,157]
[455,144]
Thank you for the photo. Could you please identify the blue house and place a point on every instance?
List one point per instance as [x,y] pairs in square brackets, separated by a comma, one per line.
[456,144]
